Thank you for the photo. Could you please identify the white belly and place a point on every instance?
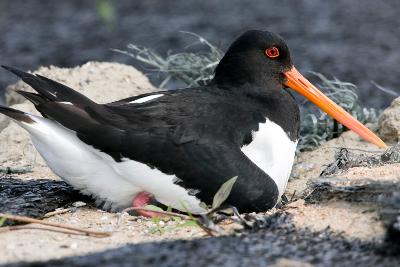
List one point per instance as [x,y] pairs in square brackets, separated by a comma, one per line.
[96,173]
[78,164]
[273,152]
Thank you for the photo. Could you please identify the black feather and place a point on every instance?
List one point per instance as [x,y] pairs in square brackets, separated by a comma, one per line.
[15,114]
[50,89]
[36,99]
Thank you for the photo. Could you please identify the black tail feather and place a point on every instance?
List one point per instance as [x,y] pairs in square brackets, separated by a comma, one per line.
[50,89]
[34,81]
[15,114]
[17,72]
[36,99]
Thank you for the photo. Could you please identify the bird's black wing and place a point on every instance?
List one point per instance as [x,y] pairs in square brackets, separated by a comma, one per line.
[205,166]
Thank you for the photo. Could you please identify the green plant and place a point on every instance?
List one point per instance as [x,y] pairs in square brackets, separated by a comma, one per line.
[223,193]
[106,11]
[2,221]
[196,69]
[205,220]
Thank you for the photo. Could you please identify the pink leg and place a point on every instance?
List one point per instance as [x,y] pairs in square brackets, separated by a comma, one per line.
[141,200]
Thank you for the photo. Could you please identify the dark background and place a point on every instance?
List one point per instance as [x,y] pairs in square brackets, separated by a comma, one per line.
[356,41]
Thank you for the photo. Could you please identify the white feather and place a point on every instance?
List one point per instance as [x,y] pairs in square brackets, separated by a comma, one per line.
[146,98]
[66,103]
[273,152]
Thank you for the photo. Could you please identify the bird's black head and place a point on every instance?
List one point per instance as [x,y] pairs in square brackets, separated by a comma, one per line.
[261,60]
[257,58]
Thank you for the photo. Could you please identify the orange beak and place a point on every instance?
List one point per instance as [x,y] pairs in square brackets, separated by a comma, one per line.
[297,82]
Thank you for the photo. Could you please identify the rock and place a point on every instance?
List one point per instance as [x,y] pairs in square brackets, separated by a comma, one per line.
[101,81]
[346,160]
[389,123]
[390,215]
[359,184]
[285,262]
[310,164]
[370,182]
[4,121]
[348,201]
[35,198]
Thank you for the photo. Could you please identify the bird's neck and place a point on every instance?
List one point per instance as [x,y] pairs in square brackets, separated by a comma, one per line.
[279,107]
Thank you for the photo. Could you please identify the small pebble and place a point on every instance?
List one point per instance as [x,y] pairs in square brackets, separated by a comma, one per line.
[104,218]
[78,204]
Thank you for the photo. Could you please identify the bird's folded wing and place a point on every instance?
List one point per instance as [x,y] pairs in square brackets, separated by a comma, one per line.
[187,143]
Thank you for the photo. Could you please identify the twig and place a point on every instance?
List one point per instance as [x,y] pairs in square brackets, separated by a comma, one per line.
[56,212]
[173,214]
[293,195]
[208,231]
[356,149]
[33,227]
[57,225]
[168,213]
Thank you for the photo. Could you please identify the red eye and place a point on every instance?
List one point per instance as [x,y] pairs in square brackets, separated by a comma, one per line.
[272,52]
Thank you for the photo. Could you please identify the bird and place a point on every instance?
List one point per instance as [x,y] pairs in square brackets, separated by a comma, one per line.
[178,147]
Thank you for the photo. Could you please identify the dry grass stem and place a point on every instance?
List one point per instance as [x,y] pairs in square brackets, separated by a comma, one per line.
[59,227]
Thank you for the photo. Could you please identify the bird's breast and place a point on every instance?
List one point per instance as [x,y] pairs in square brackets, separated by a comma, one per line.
[272,151]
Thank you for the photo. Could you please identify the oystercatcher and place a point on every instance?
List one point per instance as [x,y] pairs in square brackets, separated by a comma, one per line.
[178,147]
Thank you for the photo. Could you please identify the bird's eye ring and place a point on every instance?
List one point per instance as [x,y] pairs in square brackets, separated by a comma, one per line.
[272,52]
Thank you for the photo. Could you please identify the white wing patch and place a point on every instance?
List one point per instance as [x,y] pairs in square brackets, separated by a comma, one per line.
[66,103]
[273,152]
[146,98]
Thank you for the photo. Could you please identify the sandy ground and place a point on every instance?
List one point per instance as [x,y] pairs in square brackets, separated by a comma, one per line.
[355,221]
[28,245]
[359,221]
